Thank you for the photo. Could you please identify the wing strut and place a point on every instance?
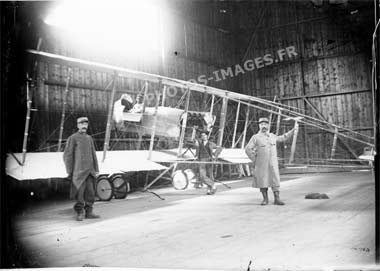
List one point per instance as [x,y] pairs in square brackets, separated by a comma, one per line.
[184,122]
[145,94]
[63,109]
[294,143]
[278,122]
[154,122]
[110,109]
[333,148]
[236,124]
[27,120]
[163,96]
[222,121]
[245,127]
[243,140]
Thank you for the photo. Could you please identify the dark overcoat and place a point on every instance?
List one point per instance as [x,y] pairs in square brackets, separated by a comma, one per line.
[80,158]
[262,150]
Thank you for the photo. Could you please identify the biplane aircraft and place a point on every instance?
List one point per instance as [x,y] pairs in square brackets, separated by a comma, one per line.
[164,121]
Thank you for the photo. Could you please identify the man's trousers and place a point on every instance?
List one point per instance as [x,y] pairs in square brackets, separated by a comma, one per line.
[85,195]
[206,173]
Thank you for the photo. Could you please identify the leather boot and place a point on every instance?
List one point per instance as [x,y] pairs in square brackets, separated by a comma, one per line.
[277,200]
[265,197]
[90,214]
[213,189]
[80,216]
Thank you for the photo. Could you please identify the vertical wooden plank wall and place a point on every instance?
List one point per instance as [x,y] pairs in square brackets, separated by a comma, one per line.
[332,63]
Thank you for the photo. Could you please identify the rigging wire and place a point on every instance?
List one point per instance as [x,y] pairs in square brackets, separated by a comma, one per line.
[308,118]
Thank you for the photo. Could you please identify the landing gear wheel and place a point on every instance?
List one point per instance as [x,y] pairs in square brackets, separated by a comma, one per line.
[120,186]
[180,180]
[104,188]
[191,176]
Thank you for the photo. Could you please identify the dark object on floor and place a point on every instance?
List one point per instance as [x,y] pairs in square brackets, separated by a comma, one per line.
[316,196]
[89,265]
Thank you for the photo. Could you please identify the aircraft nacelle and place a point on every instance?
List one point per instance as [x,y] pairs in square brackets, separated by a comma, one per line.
[169,121]
[167,125]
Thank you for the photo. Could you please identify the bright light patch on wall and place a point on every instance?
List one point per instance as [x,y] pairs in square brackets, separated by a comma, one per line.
[110,25]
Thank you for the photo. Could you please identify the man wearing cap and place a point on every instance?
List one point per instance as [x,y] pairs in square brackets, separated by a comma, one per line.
[139,105]
[124,104]
[82,167]
[205,154]
[262,150]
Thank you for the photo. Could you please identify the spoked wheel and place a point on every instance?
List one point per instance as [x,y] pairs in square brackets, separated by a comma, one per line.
[192,177]
[120,186]
[180,180]
[104,188]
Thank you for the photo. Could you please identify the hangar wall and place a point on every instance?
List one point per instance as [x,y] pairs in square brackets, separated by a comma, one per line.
[323,70]
[330,76]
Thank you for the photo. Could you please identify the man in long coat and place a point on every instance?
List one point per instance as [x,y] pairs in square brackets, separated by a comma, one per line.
[262,150]
[82,168]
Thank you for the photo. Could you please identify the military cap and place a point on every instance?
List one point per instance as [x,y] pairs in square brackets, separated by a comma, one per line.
[82,119]
[263,120]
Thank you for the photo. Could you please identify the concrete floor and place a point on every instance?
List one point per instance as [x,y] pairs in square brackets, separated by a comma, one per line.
[191,230]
